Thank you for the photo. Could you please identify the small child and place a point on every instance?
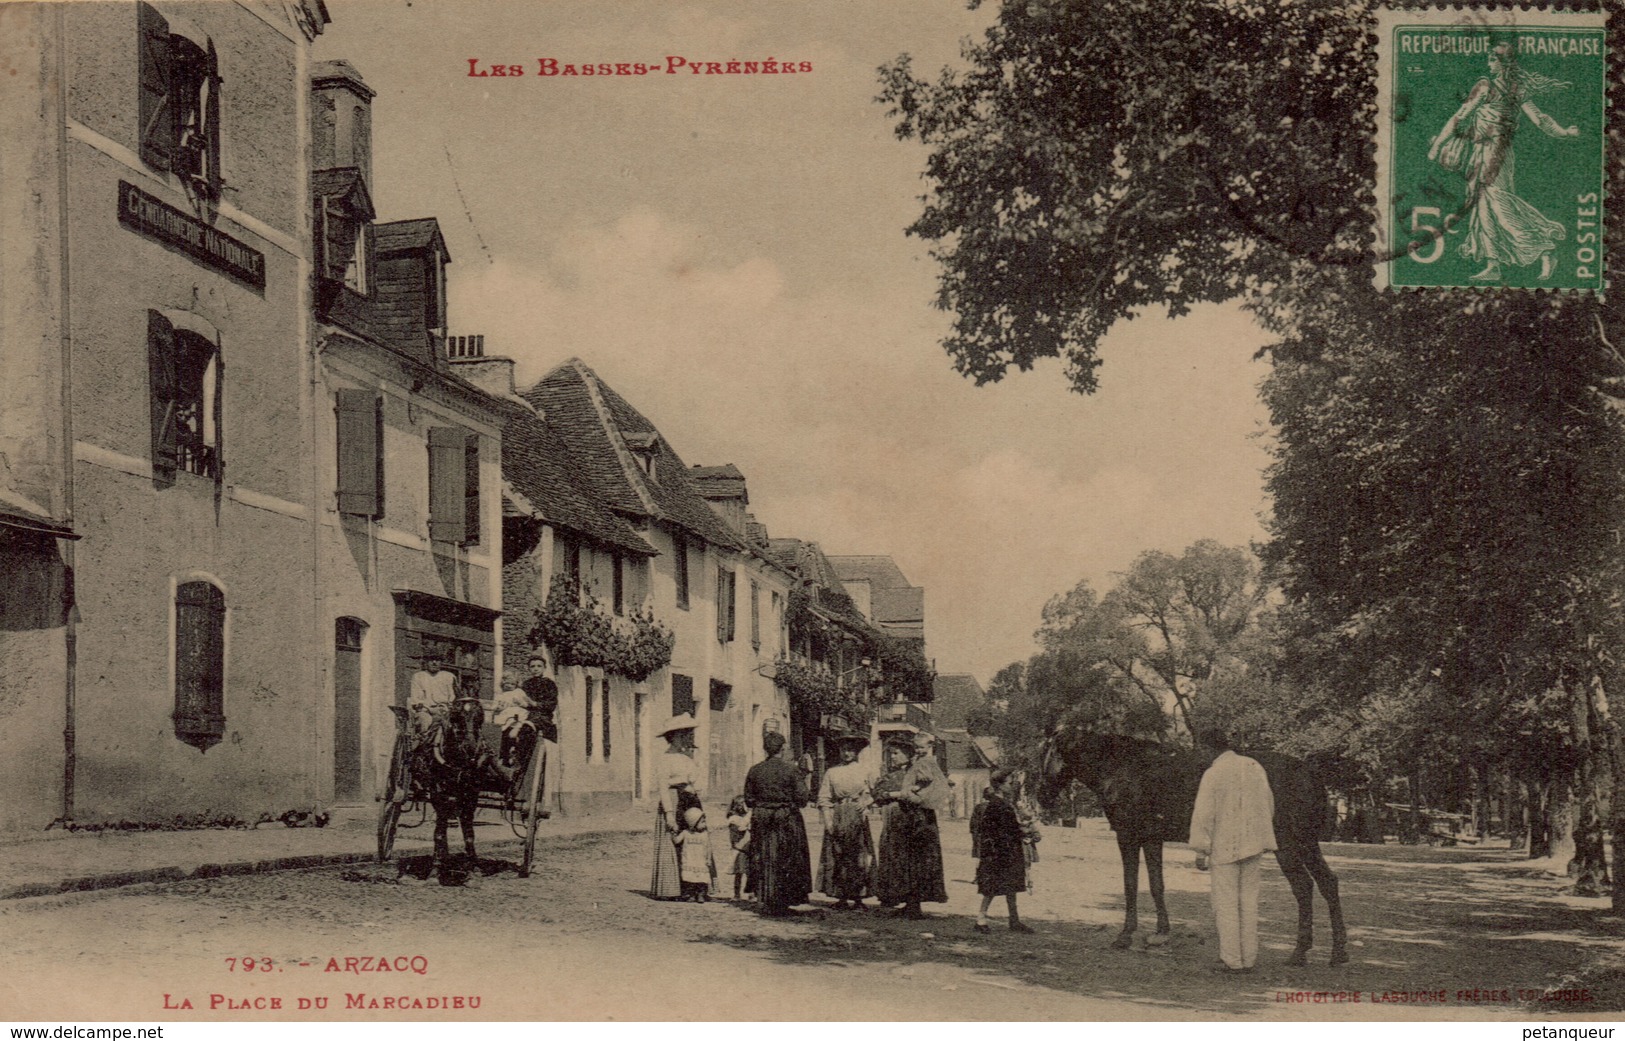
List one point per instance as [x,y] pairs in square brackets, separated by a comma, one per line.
[511,712]
[1030,837]
[739,843]
[696,868]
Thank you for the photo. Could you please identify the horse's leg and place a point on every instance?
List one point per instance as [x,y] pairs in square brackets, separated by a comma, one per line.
[1303,890]
[1326,879]
[442,848]
[1129,849]
[1153,875]
[465,817]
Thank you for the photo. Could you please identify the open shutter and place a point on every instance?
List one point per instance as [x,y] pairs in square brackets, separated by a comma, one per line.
[733,601]
[722,606]
[378,457]
[163,389]
[358,452]
[448,449]
[211,118]
[471,491]
[156,108]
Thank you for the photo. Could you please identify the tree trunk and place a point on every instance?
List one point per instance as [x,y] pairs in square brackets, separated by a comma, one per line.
[1612,737]
[1514,812]
[1560,810]
[1537,800]
[1481,801]
[1589,866]
[1412,832]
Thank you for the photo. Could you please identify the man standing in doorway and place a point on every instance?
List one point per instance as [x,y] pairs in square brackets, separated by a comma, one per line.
[1233,825]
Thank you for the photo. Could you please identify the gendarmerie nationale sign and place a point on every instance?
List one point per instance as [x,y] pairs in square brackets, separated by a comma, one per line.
[141,212]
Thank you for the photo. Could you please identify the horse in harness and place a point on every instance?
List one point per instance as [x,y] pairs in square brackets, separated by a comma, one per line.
[452,765]
[1148,792]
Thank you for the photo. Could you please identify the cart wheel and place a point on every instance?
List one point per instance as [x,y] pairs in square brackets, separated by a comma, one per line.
[533,807]
[388,820]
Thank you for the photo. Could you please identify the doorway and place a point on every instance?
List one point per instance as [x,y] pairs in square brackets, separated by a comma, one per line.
[348,637]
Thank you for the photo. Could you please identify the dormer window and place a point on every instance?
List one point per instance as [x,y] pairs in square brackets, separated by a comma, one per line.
[344,228]
[645,448]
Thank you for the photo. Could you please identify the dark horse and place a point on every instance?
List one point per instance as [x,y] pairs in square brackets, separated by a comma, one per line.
[452,765]
[1148,792]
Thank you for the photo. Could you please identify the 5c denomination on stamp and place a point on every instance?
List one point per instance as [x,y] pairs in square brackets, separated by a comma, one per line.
[1491,128]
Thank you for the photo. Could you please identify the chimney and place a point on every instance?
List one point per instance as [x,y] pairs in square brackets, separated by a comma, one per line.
[341,118]
[466,355]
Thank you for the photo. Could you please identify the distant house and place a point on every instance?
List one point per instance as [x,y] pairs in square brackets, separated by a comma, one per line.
[957,694]
[884,595]
[610,522]
[970,769]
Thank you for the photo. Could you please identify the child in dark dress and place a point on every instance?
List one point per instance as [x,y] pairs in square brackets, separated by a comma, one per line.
[1001,867]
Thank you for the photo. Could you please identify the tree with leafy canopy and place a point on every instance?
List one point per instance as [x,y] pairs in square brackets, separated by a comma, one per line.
[1449,468]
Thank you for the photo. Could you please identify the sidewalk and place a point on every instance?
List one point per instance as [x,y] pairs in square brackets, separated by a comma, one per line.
[70,862]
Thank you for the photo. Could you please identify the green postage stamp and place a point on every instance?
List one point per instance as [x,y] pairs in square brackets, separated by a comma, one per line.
[1490,145]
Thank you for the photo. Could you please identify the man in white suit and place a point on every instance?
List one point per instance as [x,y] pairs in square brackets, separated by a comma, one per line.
[1233,826]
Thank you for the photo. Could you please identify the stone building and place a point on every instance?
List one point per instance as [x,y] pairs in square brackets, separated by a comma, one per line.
[607,523]
[408,460]
[155,302]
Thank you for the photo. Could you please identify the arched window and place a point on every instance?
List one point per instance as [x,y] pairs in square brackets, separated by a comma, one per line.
[200,664]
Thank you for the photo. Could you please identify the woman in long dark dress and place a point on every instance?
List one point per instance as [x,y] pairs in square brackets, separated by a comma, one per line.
[910,869]
[1001,856]
[780,864]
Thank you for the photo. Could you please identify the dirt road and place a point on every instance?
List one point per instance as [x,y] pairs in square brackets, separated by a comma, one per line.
[1449,934]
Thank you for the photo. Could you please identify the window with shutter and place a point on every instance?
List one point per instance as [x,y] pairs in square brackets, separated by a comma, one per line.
[178,103]
[184,387]
[619,584]
[679,552]
[200,664]
[471,491]
[359,457]
[603,714]
[448,448]
[682,695]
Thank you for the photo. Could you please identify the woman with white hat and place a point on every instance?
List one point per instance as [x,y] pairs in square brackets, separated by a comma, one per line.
[679,791]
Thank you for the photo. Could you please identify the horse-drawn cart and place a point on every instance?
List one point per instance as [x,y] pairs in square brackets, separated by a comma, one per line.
[519,802]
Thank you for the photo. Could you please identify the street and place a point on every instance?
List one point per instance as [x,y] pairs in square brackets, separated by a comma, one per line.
[1440,933]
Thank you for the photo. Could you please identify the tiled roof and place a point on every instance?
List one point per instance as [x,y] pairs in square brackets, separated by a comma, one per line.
[963,752]
[537,462]
[342,181]
[881,571]
[807,560]
[590,418]
[898,605]
[719,482]
[419,233]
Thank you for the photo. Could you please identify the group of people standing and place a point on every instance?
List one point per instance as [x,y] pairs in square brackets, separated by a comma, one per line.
[768,838]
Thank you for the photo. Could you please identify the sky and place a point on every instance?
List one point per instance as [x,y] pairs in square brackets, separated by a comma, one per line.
[729,253]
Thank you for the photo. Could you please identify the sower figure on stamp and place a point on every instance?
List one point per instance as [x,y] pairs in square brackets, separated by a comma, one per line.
[1502,227]
[1233,826]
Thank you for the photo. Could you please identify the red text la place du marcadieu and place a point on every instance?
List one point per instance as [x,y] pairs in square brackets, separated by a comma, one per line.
[671,65]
